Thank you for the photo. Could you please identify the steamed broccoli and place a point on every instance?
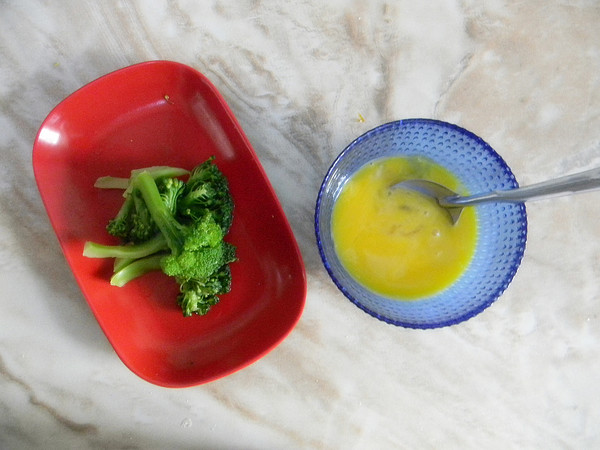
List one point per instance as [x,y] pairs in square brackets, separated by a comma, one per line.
[203,253]
[170,190]
[198,296]
[133,221]
[136,268]
[130,251]
[174,226]
[207,190]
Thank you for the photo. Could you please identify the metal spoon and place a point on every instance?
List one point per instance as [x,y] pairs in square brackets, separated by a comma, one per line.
[454,203]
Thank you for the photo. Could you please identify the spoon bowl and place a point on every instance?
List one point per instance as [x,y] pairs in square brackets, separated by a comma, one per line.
[441,194]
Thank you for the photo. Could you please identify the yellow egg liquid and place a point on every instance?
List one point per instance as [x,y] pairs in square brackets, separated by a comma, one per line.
[397,243]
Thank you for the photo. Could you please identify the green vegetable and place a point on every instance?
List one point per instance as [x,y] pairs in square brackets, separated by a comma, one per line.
[207,191]
[136,269]
[174,226]
[133,221]
[198,296]
[146,248]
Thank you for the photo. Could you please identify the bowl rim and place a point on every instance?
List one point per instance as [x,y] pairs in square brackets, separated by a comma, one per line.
[514,263]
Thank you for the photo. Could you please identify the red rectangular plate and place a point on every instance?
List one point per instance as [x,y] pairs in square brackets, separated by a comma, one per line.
[166,113]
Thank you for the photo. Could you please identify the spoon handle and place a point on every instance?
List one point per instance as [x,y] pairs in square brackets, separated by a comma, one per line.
[569,184]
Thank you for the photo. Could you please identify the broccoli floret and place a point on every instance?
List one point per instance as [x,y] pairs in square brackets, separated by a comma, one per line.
[192,302]
[207,190]
[170,190]
[199,263]
[142,225]
[197,296]
[206,233]
[133,222]
[120,225]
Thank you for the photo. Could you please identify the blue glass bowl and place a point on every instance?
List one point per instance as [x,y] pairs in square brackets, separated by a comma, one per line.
[502,227]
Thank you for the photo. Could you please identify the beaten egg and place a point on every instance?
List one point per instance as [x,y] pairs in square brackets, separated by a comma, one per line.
[398,243]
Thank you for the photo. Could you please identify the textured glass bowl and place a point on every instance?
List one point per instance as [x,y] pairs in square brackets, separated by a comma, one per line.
[502,227]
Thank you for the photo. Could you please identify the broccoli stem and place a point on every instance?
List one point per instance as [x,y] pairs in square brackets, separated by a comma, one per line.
[136,269]
[169,227]
[111,183]
[121,263]
[161,172]
[155,172]
[146,248]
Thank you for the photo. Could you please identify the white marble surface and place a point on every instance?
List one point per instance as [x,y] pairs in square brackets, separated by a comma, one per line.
[299,76]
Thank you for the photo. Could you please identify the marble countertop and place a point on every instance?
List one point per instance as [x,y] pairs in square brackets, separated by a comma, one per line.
[304,79]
